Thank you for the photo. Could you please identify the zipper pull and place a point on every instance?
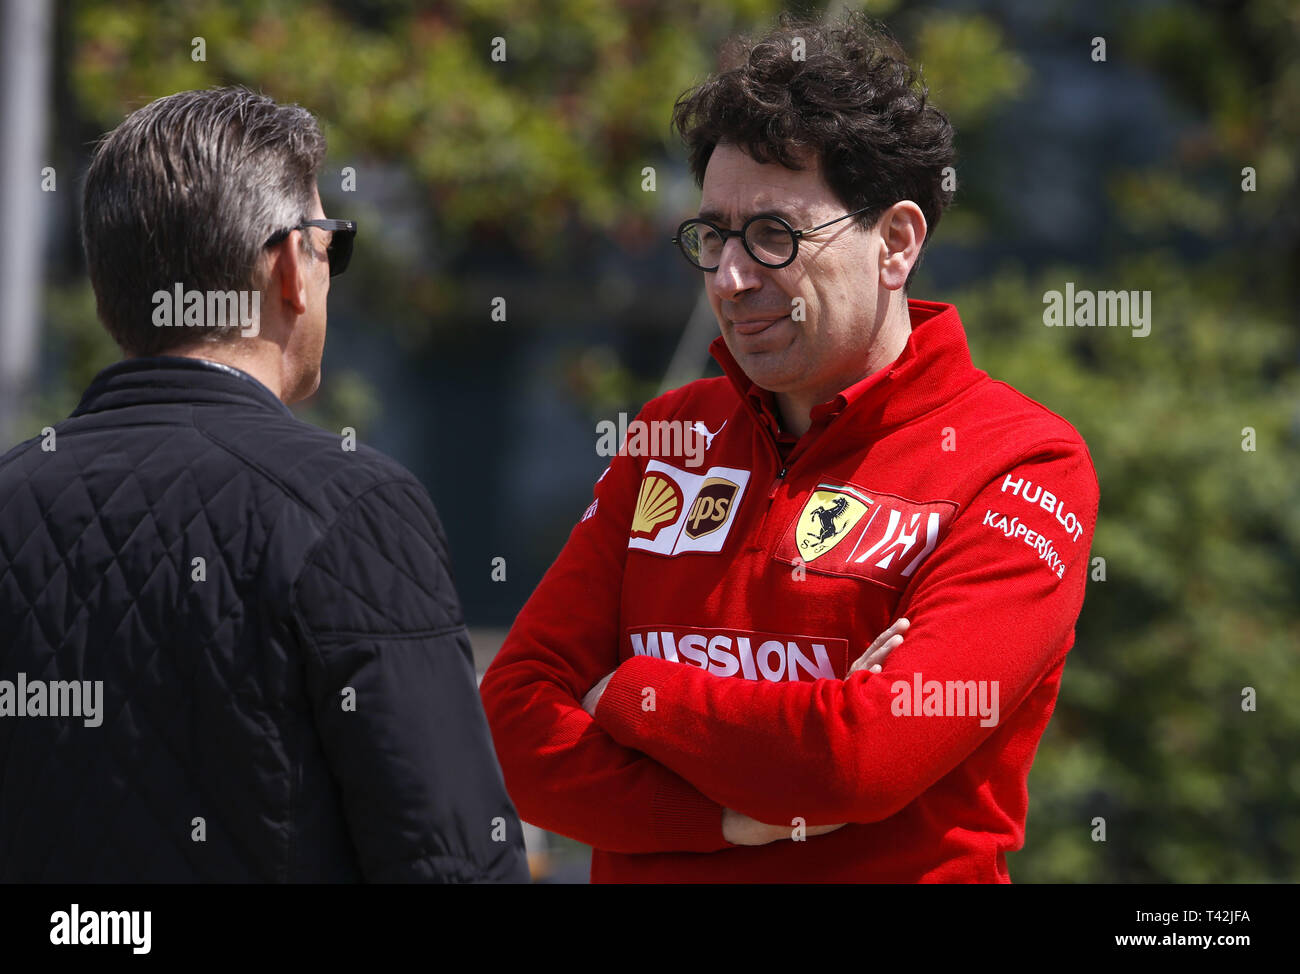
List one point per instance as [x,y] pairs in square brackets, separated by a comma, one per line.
[776,484]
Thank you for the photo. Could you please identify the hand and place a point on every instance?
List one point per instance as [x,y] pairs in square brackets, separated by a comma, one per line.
[885,643]
[740,829]
[592,699]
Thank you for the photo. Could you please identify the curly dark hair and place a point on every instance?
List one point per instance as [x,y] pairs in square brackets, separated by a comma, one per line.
[852,98]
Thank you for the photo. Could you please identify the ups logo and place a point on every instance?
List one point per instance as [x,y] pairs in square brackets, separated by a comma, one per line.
[712,504]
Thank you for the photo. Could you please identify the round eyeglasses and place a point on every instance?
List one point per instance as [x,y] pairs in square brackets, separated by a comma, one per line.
[767,239]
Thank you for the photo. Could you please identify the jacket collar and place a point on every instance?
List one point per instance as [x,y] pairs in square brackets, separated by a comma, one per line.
[934,367]
[174,379]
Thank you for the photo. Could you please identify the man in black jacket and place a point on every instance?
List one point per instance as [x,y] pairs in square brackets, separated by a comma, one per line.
[230,647]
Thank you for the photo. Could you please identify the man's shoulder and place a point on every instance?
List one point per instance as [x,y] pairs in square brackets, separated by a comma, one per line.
[1006,406]
[1037,430]
[319,470]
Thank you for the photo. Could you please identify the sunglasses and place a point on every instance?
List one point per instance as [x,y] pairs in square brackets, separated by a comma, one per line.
[340,248]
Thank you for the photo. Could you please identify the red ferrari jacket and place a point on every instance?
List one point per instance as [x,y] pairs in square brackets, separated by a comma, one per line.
[730,588]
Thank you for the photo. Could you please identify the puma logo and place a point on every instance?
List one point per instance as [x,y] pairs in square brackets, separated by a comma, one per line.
[703,431]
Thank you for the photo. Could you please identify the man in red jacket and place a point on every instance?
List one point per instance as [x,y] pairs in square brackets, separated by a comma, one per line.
[693,689]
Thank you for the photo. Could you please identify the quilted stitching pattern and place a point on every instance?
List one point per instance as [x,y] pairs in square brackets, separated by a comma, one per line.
[208,706]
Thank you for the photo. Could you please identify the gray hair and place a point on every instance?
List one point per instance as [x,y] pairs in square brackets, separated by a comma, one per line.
[186,191]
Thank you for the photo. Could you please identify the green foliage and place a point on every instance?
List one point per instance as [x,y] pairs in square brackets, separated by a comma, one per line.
[967,66]
[558,130]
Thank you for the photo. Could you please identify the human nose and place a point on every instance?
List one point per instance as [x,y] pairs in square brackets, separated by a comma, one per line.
[737,272]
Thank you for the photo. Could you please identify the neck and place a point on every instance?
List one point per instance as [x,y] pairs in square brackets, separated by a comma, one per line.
[887,344]
[260,359]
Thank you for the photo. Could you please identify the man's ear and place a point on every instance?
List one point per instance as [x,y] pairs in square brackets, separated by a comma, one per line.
[289,273]
[902,231]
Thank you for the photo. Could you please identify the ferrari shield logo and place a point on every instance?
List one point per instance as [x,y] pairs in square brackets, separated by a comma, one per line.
[827,518]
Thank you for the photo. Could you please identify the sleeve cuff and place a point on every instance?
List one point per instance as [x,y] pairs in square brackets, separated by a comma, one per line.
[621,710]
[687,819]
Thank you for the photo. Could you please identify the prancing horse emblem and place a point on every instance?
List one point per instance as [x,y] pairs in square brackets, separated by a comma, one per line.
[828,518]
[827,515]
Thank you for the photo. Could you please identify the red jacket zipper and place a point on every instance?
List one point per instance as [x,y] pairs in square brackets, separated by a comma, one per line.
[757,542]
[785,466]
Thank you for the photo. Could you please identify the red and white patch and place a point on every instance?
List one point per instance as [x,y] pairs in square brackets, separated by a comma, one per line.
[884,537]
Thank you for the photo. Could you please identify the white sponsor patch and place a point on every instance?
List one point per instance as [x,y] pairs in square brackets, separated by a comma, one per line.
[677,511]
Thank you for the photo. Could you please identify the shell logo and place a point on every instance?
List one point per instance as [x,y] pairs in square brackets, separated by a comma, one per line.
[658,503]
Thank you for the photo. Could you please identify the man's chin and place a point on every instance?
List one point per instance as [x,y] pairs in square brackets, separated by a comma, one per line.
[770,370]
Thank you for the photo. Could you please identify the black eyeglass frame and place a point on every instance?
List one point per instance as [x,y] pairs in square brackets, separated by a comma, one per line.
[339,252]
[795,236]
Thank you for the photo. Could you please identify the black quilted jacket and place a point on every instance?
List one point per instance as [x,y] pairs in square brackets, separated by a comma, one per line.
[288,687]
